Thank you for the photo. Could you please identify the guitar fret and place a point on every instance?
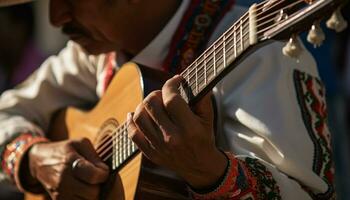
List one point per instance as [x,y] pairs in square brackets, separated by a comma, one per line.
[197,76]
[230,49]
[186,90]
[205,69]
[214,60]
[118,150]
[125,131]
[196,81]
[114,153]
[126,142]
[241,30]
[116,164]
[235,40]
[224,51]
[130,147]
[210,66]
[124,146]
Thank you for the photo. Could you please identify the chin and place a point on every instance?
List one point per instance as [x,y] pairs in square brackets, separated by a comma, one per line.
[96,48]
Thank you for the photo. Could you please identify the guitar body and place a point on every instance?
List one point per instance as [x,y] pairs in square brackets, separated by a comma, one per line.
[138,178]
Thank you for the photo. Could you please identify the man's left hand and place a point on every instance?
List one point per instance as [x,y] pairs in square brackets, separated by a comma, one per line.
[172,135]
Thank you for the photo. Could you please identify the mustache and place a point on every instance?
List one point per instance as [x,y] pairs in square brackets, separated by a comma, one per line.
[74,29]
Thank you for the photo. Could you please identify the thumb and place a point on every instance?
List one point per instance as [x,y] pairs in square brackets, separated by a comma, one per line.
[88,166]
[87,172]
[85,148]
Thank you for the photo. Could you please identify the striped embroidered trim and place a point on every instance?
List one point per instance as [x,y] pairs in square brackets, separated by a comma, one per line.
[226,186]
[244,179]
[196,26]
[255,181]
[13,154]
[311,98]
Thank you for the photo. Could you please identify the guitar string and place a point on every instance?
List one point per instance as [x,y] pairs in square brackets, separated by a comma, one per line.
[195,79]
[244,18]
[236,28]
[118,137]
[115,132]
[124,123]
[195,68]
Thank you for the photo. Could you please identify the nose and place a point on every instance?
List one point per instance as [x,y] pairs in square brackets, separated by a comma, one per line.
[60,13]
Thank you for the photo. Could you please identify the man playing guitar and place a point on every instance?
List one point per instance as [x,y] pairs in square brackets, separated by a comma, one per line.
[268,142]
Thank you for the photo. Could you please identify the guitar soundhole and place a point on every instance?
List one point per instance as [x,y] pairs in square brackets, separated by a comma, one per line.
[104,140]
[104,148]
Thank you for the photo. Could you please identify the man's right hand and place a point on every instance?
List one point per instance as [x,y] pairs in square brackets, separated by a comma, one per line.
[52,165]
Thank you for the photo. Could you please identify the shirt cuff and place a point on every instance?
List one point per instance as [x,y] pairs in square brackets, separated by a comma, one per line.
[225,187]
[14,152]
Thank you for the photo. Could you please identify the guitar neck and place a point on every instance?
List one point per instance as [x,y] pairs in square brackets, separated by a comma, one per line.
[262,23]
[220,58]
[200,77]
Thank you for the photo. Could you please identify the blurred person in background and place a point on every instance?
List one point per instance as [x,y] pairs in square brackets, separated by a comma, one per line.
[19,55]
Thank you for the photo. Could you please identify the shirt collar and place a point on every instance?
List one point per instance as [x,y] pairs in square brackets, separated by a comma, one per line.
[154,54]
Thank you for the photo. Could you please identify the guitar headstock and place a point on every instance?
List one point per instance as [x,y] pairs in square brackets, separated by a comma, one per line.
[285,19]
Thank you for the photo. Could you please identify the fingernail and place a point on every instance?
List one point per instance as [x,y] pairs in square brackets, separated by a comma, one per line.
[129,116]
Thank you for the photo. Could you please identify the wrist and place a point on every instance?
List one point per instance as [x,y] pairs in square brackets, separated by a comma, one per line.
[224,187]
[15,158]
[209,174]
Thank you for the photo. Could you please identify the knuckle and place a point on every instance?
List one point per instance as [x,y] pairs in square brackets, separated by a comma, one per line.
[172,101]
[150,101]
[153,95]
[174,143]
[137,118]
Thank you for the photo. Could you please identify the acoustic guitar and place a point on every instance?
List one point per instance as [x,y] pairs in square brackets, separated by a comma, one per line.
[133,176]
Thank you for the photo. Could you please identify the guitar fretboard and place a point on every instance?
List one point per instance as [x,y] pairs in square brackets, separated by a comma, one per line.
[198,76]
[264,21]
[224,51]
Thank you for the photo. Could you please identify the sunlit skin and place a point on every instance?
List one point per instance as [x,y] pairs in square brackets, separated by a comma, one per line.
[159,125]
[102,26]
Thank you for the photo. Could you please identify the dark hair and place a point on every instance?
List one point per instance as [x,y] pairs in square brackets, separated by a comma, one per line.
[22,13]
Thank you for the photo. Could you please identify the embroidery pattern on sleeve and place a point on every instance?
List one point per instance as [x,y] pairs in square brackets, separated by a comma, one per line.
[251,181]
[260,182]
[311,97]
[13,152]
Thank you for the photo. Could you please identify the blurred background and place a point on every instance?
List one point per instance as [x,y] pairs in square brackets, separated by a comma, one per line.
[27,38]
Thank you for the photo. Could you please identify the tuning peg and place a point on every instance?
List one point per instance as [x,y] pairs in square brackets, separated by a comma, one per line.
[292,48]
[337,21]
[316,35]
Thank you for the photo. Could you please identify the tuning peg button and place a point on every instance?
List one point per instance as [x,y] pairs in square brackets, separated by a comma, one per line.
[293,48]
[337,21]
[316,35]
